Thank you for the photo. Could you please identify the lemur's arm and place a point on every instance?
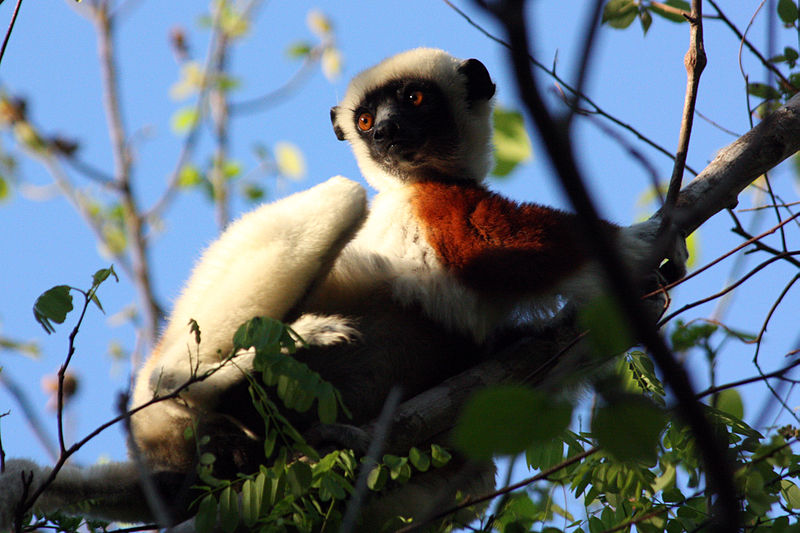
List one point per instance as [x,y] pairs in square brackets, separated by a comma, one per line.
[262,265]
[494,244]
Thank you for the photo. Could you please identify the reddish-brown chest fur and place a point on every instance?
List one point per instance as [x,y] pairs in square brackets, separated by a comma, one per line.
[493,244]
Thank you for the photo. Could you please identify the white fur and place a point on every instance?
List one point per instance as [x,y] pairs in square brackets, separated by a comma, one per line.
[427,63]
[73,489]
[260,266]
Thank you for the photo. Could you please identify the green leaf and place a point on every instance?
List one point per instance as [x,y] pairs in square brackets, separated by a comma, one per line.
[5,190]
[53,304]
[508,419]
[252,496]
[253,192]
[206,518]
[609,333]
[629,428]
[512,145]
[298,50]
[184,119]
[189,176]
[229,510]
[791,493]
[290,160]
[762,90]
[298,477]
[326,406]
[419,459]
[377,478]
[730,401]
[670,15]
[103,274]
[787,11]
[620,13]
[545,454]
[439,456]
[646,19]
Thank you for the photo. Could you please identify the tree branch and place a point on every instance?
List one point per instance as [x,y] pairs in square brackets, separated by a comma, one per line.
[134,222]
[695,62]
[716,188]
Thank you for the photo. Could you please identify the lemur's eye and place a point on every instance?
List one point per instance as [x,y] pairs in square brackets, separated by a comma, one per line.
[415,98]
[365,121]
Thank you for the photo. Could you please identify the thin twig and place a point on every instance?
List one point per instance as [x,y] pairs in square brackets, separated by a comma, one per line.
[764,61]
[730,287]
[719,388]
[695,62]
[134,221]
[592,24]
[275,96]
[10,29]
[544,474]
[596,109]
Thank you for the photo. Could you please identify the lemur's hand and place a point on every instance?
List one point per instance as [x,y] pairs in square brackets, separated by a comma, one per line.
[655,249]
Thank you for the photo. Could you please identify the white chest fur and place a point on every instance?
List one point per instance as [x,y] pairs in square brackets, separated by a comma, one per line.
[392,247]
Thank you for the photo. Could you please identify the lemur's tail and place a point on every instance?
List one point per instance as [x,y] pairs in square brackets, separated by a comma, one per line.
[111,491]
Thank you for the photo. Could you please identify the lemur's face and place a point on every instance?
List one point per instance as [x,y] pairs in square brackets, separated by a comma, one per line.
[417,116]
[408,128]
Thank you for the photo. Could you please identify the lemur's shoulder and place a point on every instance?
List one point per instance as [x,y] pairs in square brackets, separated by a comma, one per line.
[491,242]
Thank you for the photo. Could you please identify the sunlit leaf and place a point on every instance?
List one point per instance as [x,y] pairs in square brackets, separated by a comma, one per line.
[331,63]
[184,119]
[206,517]
[252,494]
[319,23]
[290,160]
[377,477]
[512,145]
[228,510]
[730,401]
[191,79]
[189,176]
[791,493]
[5,190]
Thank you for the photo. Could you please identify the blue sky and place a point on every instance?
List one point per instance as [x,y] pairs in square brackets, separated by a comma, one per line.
[52,60]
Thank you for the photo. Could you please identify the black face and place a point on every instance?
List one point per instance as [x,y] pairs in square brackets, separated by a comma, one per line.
[408,128]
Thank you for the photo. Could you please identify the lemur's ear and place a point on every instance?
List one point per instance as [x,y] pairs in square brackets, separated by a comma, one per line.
[479,83]
[336,128]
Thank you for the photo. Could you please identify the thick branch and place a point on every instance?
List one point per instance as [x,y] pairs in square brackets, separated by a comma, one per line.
[716,188]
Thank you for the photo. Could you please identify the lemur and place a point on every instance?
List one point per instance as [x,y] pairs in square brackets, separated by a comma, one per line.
[405,295]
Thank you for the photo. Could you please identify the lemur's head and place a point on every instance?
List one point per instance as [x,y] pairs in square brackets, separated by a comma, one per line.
[419,115]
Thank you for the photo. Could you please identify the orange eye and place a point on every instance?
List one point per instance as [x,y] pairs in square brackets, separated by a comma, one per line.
[415,98]
[365,121]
